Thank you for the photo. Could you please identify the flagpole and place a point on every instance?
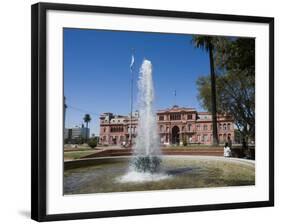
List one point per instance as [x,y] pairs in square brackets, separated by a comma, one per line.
[175,97]
[132,89]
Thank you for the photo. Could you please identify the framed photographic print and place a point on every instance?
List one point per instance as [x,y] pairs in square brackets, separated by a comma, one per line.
[139,111]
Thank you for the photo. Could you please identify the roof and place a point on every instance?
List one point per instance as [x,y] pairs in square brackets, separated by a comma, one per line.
[176,108]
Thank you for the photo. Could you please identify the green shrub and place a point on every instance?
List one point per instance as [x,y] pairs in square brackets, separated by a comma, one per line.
[93,142]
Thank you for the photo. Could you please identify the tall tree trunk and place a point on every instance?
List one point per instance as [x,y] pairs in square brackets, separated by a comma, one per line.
[87,132]
[213,94]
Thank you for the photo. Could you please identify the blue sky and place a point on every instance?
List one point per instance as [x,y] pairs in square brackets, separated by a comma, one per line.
[97,71]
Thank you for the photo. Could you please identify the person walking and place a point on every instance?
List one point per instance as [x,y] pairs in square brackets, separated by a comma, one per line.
[226,150]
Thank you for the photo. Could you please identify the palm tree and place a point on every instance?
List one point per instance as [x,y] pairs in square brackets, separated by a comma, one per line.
[64,109]
[206,43]
[87,118]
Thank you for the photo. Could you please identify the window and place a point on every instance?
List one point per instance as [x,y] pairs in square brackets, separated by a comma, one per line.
[189,127]
[228,126]
[198,127]
[224,127]
[205,127]
[189,116]
[117,129]
[175,116]
[205,138]
[161,128]
[161,118]
[198,138]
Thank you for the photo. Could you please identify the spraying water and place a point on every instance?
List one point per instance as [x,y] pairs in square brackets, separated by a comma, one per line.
[146,160]
[145,164]
[146,148]
[147,140]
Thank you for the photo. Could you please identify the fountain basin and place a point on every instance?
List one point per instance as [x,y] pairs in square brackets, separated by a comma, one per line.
[101,175]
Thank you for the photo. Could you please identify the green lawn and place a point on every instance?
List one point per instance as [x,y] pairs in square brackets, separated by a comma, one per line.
[77,154]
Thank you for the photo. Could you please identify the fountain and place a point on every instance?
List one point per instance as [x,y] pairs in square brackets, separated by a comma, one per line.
[146,149]
[146,160]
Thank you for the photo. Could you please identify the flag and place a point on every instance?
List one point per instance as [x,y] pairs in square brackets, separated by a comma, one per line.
[132,62]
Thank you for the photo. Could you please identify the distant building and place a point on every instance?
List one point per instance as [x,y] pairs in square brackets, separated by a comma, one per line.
[175,125]
[76,133]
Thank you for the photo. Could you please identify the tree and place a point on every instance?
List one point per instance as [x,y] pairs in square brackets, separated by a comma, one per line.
[93,142]
[206,43]
[87,118]
[235,61]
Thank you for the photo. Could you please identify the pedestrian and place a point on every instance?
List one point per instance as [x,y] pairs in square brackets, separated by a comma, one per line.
[226,150]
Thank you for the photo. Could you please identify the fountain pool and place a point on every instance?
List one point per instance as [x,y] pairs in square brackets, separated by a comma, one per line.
[101,175]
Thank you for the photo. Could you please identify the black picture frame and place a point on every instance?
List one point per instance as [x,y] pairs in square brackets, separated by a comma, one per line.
[39,122]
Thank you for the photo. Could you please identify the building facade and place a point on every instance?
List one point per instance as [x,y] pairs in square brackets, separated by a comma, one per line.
[176,125]
[76,133]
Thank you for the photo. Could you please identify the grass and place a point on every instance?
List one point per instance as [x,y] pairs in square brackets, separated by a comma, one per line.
[72,155]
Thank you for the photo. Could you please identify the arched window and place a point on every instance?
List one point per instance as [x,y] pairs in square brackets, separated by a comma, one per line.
[189,127]
[228,126]
[224,127]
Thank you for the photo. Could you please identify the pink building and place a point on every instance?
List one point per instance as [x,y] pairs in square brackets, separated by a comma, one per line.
[176,125]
